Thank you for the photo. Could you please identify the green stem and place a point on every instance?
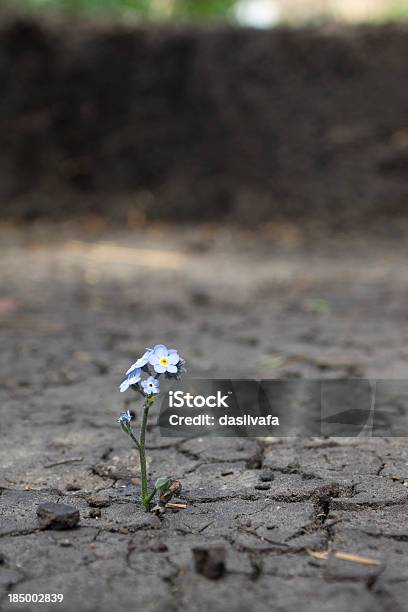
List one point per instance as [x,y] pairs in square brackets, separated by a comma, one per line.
[143,471]
[152,494]
[135,440]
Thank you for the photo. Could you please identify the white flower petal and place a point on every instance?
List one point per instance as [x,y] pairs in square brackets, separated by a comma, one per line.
[154,359]
[174,358]
[124,386]
[160,350]
[132,380]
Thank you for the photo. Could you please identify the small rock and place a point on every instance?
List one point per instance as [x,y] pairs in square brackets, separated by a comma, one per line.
[95,513]
[248,340]
[159,547]
[57,516]
[267,476]
[98,502]
[210,562]
[227,472]
[73,486]
[263,486]
[200,298]
[65,543]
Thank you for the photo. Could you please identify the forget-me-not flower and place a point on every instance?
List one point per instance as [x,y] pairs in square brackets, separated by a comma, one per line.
[126,417]
[150,386]
[154,361]
[132,379]
[164,360]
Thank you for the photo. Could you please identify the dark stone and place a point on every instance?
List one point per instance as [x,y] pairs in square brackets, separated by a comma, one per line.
[73,486]
[210,562]
[199,298]
[263,486]
[98,502]
[57,516]
[159,547]
[267,476]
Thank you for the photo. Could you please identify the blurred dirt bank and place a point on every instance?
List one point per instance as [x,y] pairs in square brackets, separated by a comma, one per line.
[213,124]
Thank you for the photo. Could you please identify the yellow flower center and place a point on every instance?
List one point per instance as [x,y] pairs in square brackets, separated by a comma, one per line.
[164,361]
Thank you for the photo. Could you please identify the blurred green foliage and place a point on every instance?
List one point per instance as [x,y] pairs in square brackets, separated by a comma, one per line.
[150,9]
[399,10]
[203,9]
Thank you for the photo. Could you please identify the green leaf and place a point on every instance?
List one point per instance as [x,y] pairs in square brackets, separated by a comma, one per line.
[162,483]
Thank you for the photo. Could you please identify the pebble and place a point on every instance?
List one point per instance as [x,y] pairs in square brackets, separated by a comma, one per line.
[57,516]
[73,486]
[263,486]
[98,502]
[267,476]
[210,562]
[158,547]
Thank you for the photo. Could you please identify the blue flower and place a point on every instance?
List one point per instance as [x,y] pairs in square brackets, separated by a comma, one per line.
[164,360]
[141,362]
[126,417]
[150,386]
[132,379]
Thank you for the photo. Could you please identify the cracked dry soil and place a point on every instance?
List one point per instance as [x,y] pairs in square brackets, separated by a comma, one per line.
[77,307]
